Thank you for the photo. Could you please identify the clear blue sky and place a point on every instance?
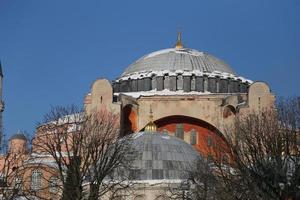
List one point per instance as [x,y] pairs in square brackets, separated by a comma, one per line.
[52,51]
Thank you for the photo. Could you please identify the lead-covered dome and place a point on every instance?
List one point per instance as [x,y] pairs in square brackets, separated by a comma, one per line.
[161,156]
[173,59]
[179,70]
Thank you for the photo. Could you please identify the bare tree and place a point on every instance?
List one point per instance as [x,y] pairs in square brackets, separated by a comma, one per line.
[266,152]
[12,176]
[87,150]
[202,183]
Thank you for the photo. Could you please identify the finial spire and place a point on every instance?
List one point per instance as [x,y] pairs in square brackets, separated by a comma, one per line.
[151,127]
[151,113]
[179,44]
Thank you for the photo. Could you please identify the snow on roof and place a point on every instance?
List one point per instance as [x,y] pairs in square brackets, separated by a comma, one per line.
[136,135]
[176,59]
[174,50]
[165,92]
[41,159]
[143,74]
[158,181]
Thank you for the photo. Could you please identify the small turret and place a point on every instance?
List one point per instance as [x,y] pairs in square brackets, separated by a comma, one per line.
[18,144]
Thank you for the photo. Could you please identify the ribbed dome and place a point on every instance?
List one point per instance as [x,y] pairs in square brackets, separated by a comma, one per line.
[161,156]
[178,59]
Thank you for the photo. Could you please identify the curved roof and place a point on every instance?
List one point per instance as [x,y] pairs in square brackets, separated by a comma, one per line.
[161,156]
[19,136]
[178,59]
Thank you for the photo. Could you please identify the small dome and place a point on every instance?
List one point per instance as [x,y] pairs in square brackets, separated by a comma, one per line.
[161,156]
[178,59]
[19,136]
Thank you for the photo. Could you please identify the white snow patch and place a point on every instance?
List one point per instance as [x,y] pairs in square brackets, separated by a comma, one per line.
[137,135]
[143,74]
[191,52]
[159,181]
[161,93]
[165,137]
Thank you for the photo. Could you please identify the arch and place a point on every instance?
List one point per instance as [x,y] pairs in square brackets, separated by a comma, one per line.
[228,111]
[209,140]
[129,119]
[185,119]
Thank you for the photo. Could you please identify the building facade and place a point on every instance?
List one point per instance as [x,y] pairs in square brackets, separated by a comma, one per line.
[193,95]
[194,98]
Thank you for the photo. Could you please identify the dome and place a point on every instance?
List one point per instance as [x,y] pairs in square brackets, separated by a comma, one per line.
[161,156]
[178,59]
[19,136]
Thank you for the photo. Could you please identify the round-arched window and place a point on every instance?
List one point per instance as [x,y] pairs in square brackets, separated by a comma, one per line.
[36,180]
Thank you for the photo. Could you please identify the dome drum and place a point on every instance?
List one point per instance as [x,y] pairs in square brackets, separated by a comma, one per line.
[187,83]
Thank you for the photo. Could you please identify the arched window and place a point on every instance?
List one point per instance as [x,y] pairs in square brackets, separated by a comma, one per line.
[53,188]
[209,141]
[193,137]
[179,131]
[36,180]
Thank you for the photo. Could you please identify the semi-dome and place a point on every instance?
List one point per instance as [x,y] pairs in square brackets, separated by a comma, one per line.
[173,59]
[161,156]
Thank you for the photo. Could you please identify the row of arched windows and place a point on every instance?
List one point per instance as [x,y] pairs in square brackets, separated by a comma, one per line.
[36,182]
[179,132]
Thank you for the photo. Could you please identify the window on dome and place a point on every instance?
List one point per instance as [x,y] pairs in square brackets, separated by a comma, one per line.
[209,141]
[193,83]
[193,137]
[179,82]
[179,131]
[36,180]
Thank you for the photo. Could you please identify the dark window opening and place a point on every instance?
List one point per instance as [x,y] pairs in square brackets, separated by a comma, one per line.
[179,131]
[193,137]
[209,141]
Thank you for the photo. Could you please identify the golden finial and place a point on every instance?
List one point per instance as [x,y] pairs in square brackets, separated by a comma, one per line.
[151,127]
[151,114]
[179,44]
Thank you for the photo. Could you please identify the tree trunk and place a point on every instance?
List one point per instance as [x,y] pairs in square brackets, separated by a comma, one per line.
[94,192]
